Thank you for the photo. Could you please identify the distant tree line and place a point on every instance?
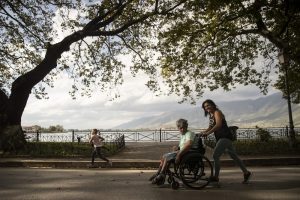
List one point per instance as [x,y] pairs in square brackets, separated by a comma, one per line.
[50,129]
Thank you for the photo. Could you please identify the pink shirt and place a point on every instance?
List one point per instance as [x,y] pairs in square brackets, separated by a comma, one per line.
[97,140]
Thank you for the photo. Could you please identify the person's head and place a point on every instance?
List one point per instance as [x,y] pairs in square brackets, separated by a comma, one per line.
[94,131]
[182,125]
[208,106]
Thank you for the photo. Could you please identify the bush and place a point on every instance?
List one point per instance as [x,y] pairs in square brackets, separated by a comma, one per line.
[62,149]
[263,135]
[257,147]
[272,147]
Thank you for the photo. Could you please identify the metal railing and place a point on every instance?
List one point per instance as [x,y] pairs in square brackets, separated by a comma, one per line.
[159,135]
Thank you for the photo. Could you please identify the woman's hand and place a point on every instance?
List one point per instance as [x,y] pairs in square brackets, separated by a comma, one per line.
[203,134]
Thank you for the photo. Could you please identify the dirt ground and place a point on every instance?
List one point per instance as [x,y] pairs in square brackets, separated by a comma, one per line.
[145,150]
[148,150]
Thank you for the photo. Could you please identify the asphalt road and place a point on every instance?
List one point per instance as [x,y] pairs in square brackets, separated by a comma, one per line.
[282,183]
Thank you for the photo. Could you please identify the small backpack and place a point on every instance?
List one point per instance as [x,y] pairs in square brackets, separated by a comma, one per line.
[200,148]
[233,132]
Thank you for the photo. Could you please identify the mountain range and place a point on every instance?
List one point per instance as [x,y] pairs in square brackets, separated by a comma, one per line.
[268,111]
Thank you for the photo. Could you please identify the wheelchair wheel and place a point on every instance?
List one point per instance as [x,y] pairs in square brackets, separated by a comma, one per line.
[195,170]
[172,171]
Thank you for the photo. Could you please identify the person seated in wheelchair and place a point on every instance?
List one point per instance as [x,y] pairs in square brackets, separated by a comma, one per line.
[188,141]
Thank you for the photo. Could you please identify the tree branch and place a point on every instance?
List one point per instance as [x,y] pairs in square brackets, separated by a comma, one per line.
[18,22]
[130,47]
[96,23]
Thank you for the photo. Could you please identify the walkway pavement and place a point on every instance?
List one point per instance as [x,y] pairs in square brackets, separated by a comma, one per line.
[267,183]
[69,179]
[140,155]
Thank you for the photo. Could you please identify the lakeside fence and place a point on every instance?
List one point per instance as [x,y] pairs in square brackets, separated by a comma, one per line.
[159,135]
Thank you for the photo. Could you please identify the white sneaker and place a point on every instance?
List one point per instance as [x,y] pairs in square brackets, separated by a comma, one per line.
[92,166]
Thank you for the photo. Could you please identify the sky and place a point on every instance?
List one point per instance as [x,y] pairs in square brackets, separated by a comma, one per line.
[98,111]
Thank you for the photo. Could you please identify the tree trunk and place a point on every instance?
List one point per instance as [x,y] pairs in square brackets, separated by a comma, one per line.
[12,107]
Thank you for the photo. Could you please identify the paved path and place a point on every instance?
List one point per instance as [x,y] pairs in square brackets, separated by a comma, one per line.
[267,183]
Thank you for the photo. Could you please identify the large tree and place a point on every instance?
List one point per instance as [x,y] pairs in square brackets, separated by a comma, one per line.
[41,38]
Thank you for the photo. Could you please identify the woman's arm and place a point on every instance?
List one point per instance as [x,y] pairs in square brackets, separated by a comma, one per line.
[218,119]
[101,138]
[91,139]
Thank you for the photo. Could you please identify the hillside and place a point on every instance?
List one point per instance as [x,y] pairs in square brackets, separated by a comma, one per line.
[269,111]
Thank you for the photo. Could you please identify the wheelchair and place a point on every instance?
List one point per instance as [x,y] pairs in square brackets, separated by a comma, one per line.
[194,170]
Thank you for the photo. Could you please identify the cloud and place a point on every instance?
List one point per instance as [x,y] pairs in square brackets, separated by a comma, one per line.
[136,101]
[97,111]
[240,93]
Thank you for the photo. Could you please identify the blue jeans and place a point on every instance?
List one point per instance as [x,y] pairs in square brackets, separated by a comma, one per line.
[170,156]
[225,145]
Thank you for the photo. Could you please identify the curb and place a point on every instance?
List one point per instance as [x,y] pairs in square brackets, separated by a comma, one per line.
[80,164]
[264,161]
[132,164]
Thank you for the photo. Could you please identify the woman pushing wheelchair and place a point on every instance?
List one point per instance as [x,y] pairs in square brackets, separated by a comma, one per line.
[187,142]
[218,126]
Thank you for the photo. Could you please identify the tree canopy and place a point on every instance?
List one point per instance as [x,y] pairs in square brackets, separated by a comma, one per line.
[219,44]
[202,44]
[94,34]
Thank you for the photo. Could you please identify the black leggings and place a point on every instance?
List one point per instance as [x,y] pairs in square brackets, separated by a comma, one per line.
[97,151]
